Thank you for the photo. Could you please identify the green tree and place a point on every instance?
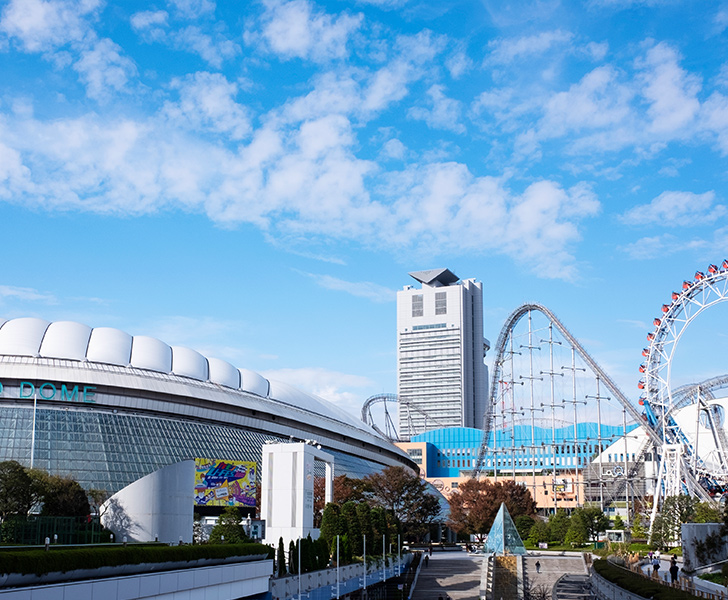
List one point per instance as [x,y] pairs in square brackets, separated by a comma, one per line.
[406,497]
[293,558]
[618,523]
[523,524]
[594,520]
[229,525]
[380,527]
[281,558]
[558,525]
[353,527]
[539,533]
[64,497]
[345,550]
[705,512]
[323,554]
[16,495]
[676,510]
[638,529]
[331,522]
[577,534]
[308,555]
[364,514]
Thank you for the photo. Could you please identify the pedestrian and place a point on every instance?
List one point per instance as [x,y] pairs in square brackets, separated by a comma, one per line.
[430,549]
[673,571]
[427,561]
[655,566]
[538,567]
[649,555]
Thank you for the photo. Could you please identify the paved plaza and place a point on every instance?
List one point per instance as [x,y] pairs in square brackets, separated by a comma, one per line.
[456,574]
[452,573]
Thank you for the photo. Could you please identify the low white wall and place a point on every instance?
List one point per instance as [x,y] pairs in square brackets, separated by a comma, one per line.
[206,583]
[159,505]
[606,590]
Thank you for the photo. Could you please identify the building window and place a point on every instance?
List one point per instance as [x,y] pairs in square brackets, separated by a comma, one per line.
[417,306]
[441,303]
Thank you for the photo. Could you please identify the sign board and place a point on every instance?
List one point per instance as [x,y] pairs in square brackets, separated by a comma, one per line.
[224,482]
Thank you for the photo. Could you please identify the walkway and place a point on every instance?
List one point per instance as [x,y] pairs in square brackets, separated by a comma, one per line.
[553,566]
[572,587]
[452,573]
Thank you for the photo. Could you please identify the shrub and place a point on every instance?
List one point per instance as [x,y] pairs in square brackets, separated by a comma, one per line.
[642,586]
[69,559]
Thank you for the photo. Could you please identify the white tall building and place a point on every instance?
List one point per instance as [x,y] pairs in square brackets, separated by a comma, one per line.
[441,377]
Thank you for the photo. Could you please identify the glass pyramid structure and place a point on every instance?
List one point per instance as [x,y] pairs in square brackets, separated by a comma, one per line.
[503,537]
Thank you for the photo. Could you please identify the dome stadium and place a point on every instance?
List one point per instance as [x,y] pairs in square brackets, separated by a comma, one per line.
[108,408]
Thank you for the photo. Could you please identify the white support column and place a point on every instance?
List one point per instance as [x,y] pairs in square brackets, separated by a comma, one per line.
[287,489]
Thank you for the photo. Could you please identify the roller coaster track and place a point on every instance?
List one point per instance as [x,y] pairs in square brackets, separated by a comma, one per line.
[366,416]
[508,327]
[391,430]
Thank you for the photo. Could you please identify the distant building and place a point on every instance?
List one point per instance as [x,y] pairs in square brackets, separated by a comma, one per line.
[565,474]
[441,377]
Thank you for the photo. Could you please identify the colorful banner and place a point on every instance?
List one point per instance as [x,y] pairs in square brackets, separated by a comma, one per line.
[224,482]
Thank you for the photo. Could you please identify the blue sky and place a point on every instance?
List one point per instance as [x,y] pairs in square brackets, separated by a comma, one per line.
[256,179]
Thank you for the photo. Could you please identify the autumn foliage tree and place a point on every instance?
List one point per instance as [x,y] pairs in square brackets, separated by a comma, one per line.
[406,498]
[474,505]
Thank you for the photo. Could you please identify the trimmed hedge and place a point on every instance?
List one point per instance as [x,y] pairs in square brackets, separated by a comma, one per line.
[39,562]
[642,586]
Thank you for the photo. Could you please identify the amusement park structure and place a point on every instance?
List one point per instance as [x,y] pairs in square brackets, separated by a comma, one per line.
[552,410]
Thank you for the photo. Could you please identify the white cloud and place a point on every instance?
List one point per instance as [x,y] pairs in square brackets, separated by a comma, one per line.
[394,149]
[25,294]
[385,4]
[210,336]
[298,181]
[103,68]
[651,247]
[444,114]
[192,9]
[346,391]
[295,29]
[149,18]
[458,64]
[720,20]
[42,25]
[333,93]
[360,289]
[677,209]
[207,102]
[597,51]
[670,90]
[506,51]
[14,175]
[151,25]
[214,50]
[598,101]
[714,119]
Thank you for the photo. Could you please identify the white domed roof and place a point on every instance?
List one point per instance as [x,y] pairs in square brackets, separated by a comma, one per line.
[69,340]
